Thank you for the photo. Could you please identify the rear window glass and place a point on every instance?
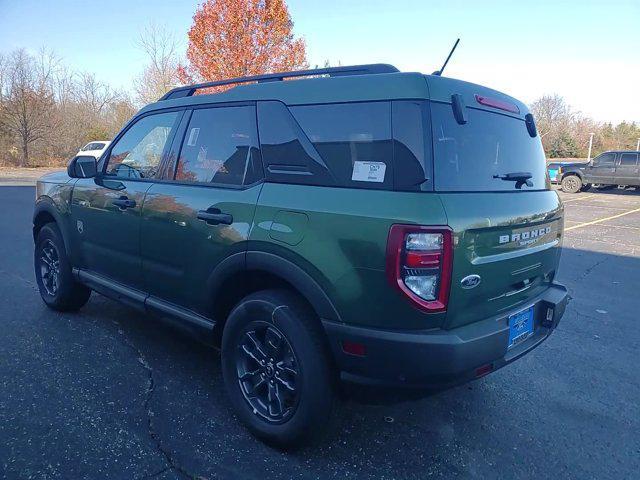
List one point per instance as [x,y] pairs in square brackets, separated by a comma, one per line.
[472,156]
[353,139]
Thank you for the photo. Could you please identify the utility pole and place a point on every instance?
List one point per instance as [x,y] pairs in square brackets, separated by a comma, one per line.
[591,144]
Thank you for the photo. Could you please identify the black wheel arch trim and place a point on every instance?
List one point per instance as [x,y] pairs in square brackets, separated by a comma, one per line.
[46,205]
[278,266]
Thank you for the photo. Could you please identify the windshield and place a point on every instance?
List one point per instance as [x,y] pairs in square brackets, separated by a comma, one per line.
[477,155]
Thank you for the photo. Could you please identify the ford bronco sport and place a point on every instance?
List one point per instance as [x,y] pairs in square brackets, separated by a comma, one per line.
[363,224]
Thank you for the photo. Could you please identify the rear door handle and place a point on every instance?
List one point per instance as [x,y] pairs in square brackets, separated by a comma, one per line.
[214,216]
[123,203]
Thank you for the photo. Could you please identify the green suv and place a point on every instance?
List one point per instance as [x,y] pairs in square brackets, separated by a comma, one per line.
[361,224]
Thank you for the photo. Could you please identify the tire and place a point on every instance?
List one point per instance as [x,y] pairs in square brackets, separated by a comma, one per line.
[58,288]
[571,184]
[302,403]
[586,187]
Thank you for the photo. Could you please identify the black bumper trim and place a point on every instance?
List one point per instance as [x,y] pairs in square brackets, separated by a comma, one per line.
[438,358]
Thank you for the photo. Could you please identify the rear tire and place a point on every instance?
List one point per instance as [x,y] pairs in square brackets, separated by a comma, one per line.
[58,288]
[277,369]
[571,184]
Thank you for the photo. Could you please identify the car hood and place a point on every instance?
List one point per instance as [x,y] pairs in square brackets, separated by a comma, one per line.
[55,177]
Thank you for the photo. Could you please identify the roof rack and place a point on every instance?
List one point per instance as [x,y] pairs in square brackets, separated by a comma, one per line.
[374,68]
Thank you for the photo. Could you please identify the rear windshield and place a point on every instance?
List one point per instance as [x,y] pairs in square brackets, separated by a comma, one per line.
[472,156]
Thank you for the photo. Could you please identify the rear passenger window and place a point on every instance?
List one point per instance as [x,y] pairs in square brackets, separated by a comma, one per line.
[353,139]
[220,146]
[287,153]
[629,159]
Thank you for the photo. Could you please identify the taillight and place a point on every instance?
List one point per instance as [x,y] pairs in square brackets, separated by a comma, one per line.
[419,262]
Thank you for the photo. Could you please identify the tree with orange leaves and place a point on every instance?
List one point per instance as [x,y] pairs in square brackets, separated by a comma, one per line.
[235,38]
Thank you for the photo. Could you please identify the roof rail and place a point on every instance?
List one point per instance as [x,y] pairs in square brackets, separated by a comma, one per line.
[374,68]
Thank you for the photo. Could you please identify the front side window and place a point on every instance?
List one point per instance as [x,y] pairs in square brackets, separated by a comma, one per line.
[220,146]
[629,159]
[138,152]
[604,160]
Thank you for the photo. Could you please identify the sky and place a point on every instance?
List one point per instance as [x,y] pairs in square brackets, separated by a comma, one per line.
[586,51]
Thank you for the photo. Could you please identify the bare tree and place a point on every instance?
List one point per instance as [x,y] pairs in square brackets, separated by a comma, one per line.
[160,74]
[28,105]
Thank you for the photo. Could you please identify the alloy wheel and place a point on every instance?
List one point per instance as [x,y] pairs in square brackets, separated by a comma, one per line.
[50,267]
[268,372]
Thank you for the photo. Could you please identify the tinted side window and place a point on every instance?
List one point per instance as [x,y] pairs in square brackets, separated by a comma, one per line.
[606,159]
[138,152]
[220,146]
[288,155]
[629,159]
[353,139]
[412,145]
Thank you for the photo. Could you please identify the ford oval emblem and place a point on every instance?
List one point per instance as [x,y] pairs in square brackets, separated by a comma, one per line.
[470,281]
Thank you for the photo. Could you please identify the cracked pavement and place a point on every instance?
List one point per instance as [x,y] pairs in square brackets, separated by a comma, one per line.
[109,393]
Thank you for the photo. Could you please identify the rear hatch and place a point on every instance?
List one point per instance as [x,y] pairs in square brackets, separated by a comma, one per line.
[490,173]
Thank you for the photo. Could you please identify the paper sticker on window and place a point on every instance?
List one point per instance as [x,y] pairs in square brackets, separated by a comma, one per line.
[193,137]
[368,171]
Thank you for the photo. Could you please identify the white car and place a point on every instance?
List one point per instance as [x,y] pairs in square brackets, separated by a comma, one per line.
[95,148]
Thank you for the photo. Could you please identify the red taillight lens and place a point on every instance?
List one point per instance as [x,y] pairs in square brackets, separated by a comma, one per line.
[419,262]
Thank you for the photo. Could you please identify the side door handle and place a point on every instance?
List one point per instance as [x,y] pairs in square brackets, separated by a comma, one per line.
[213,216]
[123,203]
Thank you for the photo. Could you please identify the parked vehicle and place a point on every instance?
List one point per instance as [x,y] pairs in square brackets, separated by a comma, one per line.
[364,225]
[94,149]
[609,169]
[554,168]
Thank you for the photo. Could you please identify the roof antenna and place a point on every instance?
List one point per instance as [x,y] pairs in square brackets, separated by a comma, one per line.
[439,72]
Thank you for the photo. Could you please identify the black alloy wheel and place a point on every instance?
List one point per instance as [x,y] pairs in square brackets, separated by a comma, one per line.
[268,372]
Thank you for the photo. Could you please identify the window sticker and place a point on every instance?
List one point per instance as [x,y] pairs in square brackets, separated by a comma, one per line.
[368,172]
[193,137]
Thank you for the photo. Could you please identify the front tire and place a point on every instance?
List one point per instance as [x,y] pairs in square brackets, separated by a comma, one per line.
[58,288]
[571,184]
[277,369]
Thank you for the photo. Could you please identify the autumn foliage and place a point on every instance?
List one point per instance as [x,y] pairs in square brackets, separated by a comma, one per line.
[234,38]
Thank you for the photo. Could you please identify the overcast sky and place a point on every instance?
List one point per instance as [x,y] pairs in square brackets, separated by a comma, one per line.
[586,51]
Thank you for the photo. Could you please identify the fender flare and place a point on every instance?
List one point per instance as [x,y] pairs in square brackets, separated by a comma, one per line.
[276,265]
[46,205]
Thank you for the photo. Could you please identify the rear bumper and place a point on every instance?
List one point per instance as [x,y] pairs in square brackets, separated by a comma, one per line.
[441,358]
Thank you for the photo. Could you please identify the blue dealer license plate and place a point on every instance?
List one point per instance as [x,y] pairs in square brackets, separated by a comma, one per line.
[520,326]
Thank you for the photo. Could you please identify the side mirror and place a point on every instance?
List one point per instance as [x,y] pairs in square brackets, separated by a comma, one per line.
[82,166]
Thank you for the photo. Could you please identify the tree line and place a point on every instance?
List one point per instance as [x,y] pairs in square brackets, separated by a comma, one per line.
[565,132]
[48,111]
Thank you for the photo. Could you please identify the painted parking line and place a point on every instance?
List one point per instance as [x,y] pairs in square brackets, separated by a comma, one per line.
[600,220]
[579,198]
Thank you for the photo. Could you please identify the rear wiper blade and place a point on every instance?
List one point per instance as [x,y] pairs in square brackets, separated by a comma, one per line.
[521,178]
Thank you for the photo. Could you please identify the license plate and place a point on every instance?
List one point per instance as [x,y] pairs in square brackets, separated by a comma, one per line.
[553,174]
[520,326]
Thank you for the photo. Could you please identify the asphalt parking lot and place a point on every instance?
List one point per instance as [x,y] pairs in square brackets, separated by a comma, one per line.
[108,393]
